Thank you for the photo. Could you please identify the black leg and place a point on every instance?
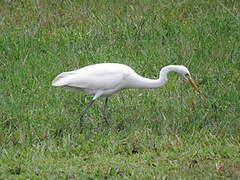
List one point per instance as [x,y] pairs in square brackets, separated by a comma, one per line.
[105,112]
[84,111]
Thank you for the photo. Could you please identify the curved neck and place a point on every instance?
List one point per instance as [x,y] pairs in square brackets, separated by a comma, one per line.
[141,82]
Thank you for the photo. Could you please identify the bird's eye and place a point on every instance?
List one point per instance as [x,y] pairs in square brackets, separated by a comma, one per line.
[187,75]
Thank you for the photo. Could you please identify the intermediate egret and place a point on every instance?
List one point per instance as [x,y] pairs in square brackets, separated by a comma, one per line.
[105,79]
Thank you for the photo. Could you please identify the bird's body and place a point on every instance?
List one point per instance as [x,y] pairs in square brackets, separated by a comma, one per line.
[106,79]
[99,79]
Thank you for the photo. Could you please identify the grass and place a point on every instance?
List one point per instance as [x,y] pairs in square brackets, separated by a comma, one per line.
[167,133]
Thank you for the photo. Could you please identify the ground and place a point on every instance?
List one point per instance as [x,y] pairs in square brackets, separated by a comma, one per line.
[172,132]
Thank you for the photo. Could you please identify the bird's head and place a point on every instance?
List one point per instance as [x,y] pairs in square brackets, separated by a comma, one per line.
[183,71]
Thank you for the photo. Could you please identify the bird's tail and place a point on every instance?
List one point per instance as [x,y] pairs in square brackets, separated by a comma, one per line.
[61,79]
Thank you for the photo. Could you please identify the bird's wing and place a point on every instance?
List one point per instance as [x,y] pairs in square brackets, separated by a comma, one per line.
[103,81]
[95,78]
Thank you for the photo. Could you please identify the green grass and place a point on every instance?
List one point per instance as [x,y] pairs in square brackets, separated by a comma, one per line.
[167,133]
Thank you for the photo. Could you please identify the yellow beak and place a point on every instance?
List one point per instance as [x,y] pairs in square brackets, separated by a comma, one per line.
[193,84]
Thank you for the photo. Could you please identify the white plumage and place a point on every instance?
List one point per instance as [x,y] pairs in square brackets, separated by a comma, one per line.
[106,79]
[99,79]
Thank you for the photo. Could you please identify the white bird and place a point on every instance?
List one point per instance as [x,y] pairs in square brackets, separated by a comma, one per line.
[105,79]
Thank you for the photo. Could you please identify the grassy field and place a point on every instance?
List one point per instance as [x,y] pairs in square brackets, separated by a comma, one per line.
[167,133]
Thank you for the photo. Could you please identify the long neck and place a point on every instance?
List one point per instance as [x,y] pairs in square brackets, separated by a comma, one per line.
[141,82]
